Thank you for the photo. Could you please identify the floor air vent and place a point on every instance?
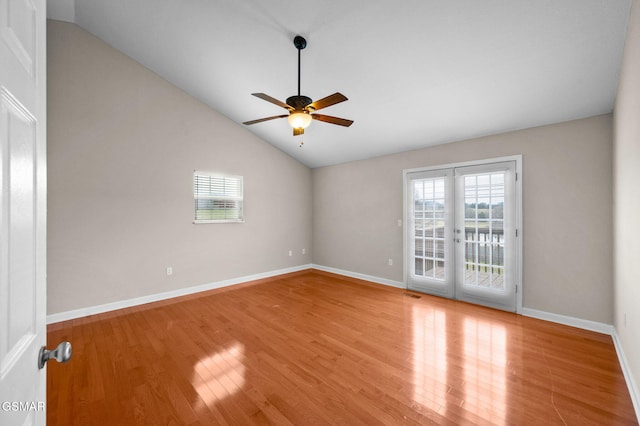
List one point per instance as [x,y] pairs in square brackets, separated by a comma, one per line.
[415,296]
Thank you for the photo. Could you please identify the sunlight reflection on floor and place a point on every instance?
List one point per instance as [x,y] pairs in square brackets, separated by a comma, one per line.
[430,357]
[485,369]
[220,375]
[483,346]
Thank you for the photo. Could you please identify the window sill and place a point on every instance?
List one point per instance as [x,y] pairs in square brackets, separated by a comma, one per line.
[198,222]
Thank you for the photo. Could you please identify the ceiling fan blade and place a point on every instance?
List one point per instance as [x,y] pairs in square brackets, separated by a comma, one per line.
[272,100]
[260,120]
[336,98]
[333,120]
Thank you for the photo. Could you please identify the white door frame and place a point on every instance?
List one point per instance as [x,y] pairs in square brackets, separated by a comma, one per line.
[518,219]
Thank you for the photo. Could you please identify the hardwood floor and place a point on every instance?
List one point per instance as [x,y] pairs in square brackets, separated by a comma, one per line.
[317,348]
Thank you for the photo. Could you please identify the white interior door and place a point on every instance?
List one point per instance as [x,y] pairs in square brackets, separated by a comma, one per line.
[22,211]
[461,233]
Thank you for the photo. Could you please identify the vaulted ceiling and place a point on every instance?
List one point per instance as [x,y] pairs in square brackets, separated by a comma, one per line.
[416,72]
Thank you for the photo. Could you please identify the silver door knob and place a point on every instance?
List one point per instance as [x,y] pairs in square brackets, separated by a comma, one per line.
[61,354]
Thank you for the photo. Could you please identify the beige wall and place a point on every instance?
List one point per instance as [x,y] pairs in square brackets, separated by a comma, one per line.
[123,144]
[567,203]
[627,199]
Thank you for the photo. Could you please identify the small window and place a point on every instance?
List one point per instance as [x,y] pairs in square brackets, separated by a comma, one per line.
[218,198]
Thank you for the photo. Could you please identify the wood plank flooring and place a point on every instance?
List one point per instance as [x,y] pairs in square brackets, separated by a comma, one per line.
[316,348]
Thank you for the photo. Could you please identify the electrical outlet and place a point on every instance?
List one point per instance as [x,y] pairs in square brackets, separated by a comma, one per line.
[169,270]
[399,223]
[290,253]
[304,251]
[390,262]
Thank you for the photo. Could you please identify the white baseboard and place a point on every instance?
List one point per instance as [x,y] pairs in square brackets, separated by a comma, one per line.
[598,327]
[377,280]
[634,393]
[107,307]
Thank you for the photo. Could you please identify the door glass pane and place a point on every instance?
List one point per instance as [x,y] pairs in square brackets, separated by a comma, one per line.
[428,223]
[419,266]
[484,230]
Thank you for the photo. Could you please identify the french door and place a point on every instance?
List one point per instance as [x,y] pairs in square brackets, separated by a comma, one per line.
[461,233]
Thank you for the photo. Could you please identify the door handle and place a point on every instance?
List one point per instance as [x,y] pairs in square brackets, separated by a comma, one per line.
[61,354]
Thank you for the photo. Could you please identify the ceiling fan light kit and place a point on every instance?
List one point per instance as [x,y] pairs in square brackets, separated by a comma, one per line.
[302,108]
[299,120]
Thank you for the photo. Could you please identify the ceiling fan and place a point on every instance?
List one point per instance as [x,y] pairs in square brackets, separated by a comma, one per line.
[301,108]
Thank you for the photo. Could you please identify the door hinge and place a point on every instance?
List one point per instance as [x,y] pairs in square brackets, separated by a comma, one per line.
[516,232]
[516,177]
[516,289]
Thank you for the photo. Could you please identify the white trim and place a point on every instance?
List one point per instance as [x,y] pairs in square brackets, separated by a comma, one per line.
[359,276]
[516,158]
[107,307]
[519,235]
[634,392]
[598,327]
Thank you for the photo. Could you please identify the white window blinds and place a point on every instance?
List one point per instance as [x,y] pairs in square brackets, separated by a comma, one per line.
[218,198]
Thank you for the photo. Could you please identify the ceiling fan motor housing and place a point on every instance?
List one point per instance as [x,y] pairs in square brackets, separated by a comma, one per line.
[298,102]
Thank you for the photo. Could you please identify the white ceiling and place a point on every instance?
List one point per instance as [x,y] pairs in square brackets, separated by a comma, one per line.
[416,72]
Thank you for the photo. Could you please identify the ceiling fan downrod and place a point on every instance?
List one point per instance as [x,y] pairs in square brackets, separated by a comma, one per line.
[299,102]
[300,43]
